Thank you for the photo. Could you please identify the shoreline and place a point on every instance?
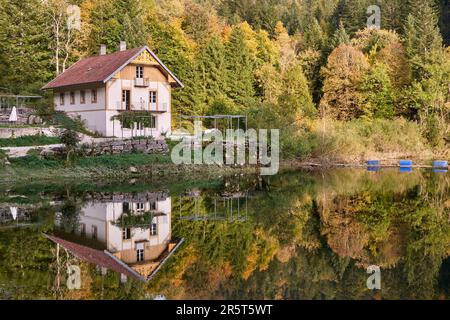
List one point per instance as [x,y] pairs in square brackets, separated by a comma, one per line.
[157,171]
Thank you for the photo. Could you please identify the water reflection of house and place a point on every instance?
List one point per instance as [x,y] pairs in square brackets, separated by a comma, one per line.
[122,233]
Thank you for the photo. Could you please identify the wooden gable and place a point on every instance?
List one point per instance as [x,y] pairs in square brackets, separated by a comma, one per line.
[145,59]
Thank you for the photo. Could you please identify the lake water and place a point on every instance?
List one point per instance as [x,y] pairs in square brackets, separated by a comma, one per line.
[298,235]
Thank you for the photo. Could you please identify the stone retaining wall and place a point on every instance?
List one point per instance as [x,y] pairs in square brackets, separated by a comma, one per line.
[16,132]
[147,146]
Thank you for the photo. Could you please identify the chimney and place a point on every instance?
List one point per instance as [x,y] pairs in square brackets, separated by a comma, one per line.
[123,46]
[102,49]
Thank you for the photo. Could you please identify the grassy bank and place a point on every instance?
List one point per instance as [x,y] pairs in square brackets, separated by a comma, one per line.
[107,167]
[329,141]
[24,141]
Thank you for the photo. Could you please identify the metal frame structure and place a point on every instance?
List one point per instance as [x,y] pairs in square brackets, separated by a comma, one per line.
[228,117]
[17,98]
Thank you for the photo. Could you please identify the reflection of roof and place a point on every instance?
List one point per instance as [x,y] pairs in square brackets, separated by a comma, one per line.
[98,257]
[107,260]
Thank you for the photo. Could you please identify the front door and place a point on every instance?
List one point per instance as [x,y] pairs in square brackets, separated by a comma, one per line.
[126,100]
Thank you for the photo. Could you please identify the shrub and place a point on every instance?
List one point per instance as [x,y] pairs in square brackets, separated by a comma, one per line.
[70,139]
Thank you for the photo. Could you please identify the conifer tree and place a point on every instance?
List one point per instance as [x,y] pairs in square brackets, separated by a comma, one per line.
[210,73]
[422,34]
[240,68]
[25,57]
[340,37]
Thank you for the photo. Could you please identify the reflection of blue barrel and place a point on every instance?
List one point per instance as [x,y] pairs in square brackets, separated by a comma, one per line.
[440,170]
[406,163]
[406,169]
[373,165]
[440,164]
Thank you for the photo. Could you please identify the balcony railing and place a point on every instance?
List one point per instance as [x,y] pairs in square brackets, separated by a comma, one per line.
[142,106]
[141,82]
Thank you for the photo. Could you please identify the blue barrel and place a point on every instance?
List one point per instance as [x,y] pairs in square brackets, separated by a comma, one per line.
[406,163]
[373,163]
[440,164]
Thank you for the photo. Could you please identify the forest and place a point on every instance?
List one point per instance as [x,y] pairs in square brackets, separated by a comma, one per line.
[337,89]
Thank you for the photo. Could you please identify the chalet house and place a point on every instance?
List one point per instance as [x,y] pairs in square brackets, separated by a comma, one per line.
[98,88]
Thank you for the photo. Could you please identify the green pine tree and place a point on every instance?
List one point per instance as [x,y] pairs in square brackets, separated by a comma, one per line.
[240,68]
[25,57]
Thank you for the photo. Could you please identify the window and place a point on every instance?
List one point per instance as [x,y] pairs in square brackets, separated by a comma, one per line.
[152,122]
[126,100]
[94,96]
[126,207]
[94,232]
[154,228]
[126,233]
[139,72]
[83,229]
[140,207]
[152,97]
[153,205]
[82,96]
[72,97]
[140,255]
[61,98]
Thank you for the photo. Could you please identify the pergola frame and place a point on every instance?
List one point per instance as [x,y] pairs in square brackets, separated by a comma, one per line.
[228,117]
[7,97]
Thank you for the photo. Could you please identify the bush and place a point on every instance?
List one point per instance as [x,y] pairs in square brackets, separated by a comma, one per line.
[70,139]
[3,158]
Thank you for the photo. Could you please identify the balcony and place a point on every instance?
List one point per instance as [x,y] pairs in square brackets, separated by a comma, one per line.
[141,82]
[142,106]
[159,107]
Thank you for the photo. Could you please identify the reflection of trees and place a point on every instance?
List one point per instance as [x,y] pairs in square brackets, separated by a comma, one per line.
[310,237]
[70,216]
[313,236]
[25,256]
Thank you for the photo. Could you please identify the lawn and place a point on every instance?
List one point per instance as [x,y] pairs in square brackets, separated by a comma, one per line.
[118,161]
[36,140]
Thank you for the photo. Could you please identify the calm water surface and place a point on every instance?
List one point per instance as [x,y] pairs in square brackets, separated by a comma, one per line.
[298,235]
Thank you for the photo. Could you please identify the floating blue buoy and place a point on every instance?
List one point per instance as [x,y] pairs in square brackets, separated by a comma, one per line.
[406,163]
[440,164]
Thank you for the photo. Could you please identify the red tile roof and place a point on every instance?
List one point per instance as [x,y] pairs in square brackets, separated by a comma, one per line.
[98,69]
[98,257]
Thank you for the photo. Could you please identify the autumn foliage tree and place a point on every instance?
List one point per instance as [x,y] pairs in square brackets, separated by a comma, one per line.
[343,74]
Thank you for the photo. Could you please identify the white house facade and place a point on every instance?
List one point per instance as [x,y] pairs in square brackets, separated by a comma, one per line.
[99,88]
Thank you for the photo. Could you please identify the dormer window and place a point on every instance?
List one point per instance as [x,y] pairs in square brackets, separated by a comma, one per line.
[139,72]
